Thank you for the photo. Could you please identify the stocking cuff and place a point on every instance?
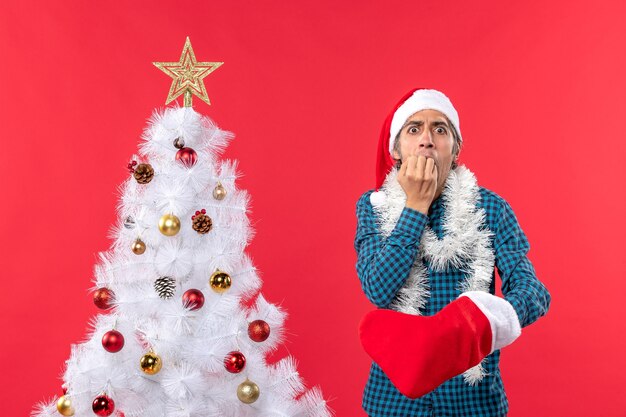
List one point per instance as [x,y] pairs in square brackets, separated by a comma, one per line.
[505,325]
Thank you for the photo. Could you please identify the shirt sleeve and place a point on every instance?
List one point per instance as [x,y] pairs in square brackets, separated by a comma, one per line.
[383,265]
[520,286]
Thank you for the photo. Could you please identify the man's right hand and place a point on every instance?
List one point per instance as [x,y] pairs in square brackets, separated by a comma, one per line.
[418,177]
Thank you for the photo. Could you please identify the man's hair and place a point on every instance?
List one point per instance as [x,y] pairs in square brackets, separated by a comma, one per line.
[456,147]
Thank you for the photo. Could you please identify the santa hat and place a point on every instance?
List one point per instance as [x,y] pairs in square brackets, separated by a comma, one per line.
[414,101]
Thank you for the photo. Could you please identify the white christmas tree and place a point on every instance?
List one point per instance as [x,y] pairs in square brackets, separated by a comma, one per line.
[184,330]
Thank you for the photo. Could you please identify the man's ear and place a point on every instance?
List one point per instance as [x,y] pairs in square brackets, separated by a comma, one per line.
[456,157]
[395,154]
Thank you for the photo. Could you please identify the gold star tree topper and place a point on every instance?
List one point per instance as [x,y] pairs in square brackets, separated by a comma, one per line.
[187,75]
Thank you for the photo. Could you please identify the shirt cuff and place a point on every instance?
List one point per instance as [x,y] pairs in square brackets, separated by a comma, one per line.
[410,226]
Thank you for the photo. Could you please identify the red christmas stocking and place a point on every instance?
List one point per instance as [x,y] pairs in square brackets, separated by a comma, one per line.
[419,353]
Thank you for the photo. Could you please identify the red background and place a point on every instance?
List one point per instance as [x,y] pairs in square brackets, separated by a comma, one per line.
[305,87]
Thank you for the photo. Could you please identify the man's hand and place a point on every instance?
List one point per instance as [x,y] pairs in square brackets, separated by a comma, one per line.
[418,178]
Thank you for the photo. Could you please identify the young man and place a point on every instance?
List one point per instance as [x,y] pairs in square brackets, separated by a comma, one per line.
[428,241]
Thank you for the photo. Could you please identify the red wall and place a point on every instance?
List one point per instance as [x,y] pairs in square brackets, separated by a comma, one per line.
[539,88]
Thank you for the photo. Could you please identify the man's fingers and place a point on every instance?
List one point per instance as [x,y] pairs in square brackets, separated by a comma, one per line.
[410,162]
[402,168]
[421,163]
[428,173]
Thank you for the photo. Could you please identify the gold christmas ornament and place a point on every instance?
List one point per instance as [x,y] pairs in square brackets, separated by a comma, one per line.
[64,406]
[138,247]
[219,192]
[220,281]
[187,75]
[169,224]
[151,363]
[248,392]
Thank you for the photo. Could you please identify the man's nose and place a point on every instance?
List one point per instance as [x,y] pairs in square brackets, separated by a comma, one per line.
[426,140]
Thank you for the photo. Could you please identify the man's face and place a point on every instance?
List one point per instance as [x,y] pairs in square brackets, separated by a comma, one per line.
[428,133]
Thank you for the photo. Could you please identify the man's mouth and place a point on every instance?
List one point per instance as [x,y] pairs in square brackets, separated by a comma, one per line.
[427,155]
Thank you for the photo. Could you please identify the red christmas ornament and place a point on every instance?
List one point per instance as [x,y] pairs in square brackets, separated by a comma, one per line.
[103,298]
[131,166]
[203,211]
[234,362]
[103,406]
[193,299]
[113,341]
[187,156]
[258,330]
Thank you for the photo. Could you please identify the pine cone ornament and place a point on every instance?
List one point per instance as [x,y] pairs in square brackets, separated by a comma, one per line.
[165,287]
[201,222]
[143,173]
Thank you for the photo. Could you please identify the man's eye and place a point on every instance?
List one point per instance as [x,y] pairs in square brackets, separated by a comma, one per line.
[441,130]
[412,129]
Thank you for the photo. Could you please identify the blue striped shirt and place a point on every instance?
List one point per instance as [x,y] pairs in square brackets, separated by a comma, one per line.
[383,266]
